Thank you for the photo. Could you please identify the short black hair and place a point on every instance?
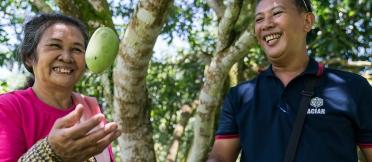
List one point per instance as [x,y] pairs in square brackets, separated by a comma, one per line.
[303,5]
[35,28]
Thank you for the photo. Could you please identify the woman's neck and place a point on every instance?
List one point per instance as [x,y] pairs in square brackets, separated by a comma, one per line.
[59,98]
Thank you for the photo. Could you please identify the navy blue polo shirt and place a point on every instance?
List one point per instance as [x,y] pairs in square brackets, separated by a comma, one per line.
[261,113]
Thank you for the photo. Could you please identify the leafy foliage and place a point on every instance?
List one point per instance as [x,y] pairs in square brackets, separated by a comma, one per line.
[343,30]
[171,85]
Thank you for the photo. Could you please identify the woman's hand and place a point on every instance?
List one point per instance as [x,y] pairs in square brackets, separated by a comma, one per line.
[73,140]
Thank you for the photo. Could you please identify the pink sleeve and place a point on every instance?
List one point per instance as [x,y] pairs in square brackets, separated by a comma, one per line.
[12,141]
[91,108]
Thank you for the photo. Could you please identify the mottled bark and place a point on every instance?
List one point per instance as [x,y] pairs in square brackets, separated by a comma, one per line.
[233,75]
[230,49]
[41,6]
[185,114]
[217,6]
[210,95]
[226,33]
[131,103]
[94,13]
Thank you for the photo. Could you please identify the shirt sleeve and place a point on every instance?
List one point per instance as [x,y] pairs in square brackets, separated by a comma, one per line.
[364,130]
[12,140]
[227,127]
[41,151]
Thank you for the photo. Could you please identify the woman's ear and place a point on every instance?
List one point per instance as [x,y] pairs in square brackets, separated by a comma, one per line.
[30,61]
[309,21]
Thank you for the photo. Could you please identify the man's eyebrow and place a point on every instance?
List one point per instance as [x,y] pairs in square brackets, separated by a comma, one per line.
[276,7]
[55,39]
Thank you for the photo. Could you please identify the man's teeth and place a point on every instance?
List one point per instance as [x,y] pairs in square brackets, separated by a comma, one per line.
[271,37]
[63,70]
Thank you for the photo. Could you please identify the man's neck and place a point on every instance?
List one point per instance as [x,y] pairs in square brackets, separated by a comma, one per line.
[288,70]
[57,98]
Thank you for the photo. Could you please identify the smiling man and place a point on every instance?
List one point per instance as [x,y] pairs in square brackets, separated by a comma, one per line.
[260,115]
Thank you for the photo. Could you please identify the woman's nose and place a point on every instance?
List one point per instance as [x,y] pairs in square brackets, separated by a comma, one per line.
[66,56]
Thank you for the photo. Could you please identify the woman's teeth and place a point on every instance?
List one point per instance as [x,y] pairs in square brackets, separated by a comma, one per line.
[63,70]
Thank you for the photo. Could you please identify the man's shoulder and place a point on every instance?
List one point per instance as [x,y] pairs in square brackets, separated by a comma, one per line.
[244,89]
[248,84]
[345,77]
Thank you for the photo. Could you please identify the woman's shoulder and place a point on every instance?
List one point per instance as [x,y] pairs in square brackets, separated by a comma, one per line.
[15,96]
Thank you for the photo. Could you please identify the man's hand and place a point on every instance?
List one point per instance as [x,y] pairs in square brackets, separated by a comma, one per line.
[72,140]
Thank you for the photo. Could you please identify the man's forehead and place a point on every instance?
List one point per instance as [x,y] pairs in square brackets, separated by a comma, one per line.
[266,5]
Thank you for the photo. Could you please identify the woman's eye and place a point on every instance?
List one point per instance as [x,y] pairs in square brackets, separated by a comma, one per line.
[54,45]
[77,50]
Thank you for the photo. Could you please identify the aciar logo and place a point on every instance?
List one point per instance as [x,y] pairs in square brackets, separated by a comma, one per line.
[316,103]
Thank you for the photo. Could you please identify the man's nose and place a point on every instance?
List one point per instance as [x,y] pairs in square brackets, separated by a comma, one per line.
[268,23]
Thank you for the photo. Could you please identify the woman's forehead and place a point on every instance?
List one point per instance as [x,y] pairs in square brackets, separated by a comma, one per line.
[64,32]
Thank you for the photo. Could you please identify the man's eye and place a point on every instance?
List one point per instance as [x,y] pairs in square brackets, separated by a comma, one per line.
[259,19]
[278,12]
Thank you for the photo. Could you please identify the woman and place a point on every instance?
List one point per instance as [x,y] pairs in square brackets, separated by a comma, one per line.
[48,121]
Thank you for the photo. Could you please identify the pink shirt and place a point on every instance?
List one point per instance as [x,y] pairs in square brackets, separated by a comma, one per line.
[24,119]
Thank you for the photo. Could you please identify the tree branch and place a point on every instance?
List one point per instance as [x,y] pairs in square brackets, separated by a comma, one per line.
[94,13]
[41,6]
[186,113]
[238,49]
[347,63]
[217,6]
[226,26]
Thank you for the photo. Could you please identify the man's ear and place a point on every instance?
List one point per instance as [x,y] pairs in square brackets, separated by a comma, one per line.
[309,21]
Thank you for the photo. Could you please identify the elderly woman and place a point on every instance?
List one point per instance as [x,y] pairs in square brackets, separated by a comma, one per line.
[48,121]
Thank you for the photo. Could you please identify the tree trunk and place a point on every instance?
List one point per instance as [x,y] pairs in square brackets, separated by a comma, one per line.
[230,49]
[131,103]
[186,113]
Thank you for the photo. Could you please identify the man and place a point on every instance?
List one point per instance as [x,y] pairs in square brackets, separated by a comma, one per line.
[258,115]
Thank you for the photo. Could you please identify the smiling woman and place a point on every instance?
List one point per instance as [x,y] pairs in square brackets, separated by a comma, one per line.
[60,60]
[49,120]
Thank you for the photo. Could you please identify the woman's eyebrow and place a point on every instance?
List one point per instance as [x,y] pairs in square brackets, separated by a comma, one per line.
[79,44]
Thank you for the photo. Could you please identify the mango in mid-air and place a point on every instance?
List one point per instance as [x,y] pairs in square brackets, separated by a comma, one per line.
[102,49]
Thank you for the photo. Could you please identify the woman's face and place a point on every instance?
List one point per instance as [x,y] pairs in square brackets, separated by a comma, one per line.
[280,28]
[60,56]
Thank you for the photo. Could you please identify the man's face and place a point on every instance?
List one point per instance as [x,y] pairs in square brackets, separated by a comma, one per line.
[280,28]
[60,56]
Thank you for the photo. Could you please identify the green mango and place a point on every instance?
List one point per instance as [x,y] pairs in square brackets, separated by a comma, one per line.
[102,49]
